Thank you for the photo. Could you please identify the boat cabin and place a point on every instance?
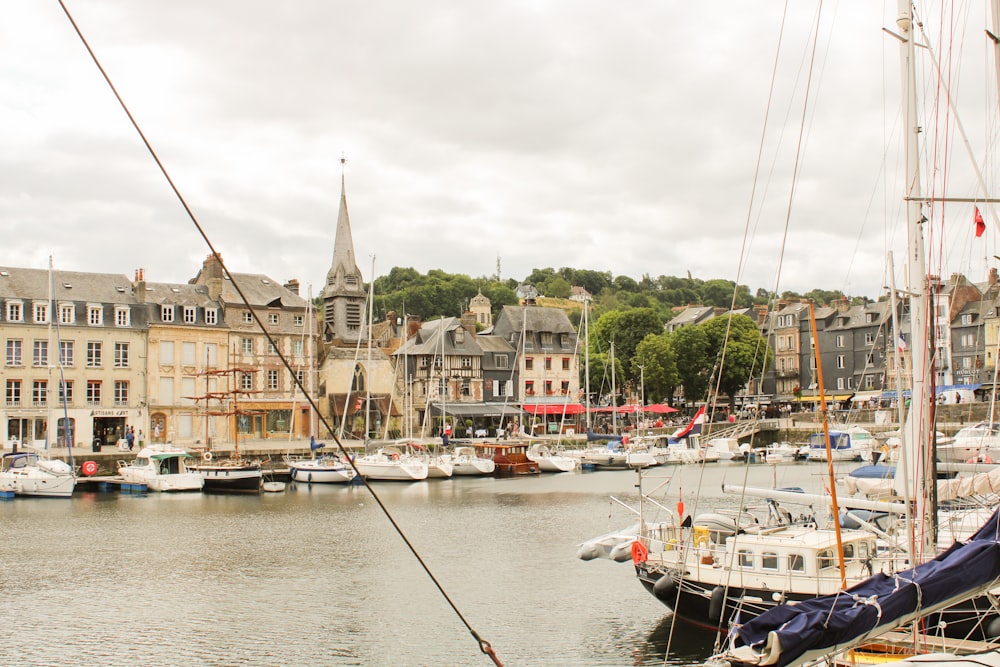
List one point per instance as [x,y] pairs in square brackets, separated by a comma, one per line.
[15,460]
[509,459]
[777,554]
[838,440]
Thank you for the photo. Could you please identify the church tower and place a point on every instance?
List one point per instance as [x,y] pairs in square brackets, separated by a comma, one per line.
[344,293]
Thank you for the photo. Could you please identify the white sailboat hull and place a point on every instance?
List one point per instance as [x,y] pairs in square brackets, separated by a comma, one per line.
[318,471]
[27,475]
[391,468]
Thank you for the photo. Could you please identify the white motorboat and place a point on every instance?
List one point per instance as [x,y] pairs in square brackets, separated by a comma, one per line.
[161,468]
[975,443]
[390,464]
[784,452]
[465,462]
[27,474]
[549,461]
[841,447]
[321,470]
[728,449]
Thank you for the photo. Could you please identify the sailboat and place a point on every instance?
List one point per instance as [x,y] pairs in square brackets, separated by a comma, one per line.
[721,579]
[232,474]
[27,473]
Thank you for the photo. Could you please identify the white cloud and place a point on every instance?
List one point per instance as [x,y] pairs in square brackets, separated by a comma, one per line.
[617,138]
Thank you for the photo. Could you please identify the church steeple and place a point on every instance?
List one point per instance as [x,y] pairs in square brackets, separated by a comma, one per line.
[344,292]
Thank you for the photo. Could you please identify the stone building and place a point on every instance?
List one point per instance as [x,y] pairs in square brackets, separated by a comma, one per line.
[75,356]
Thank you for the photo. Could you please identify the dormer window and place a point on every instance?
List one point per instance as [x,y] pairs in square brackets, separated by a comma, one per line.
[211,316]
[190,314]
[166,313]
[67,313]
[123,317]
[95,315]
[14,312]
[41,312]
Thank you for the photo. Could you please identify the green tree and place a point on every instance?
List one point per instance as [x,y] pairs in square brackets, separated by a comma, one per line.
[558,288]
[742,350]
[694,364]
[658,364]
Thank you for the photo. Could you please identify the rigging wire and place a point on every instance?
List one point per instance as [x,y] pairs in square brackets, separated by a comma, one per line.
[484,646]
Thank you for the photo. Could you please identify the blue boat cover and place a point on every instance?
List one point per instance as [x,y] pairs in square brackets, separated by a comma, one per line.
[882,601]
[876,471]
[838,440]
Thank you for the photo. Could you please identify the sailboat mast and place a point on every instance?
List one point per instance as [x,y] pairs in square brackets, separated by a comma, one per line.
[368,365]
[903,463]
[48,361]
[586,355]
[826,438]
[614,392]
[917,431]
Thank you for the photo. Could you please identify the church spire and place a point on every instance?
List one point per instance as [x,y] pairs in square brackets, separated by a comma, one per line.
[344,292]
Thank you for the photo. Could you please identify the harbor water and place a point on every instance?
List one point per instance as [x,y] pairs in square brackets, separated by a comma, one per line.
[317,576]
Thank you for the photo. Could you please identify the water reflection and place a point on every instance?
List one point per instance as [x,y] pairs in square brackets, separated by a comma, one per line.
[317,576]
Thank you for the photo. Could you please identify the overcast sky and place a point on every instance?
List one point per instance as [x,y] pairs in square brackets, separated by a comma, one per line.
[611,136]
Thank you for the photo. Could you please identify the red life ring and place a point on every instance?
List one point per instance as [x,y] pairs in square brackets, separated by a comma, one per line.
[639,552]
[89,468]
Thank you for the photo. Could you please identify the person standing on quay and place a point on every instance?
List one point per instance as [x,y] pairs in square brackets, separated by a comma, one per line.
[130,437]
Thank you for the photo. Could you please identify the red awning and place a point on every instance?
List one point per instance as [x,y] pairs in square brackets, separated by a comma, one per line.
[554,409]
[660,408]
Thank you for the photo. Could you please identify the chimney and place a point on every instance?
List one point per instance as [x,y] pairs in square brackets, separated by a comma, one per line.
[469,321]
[292,286]
[213,276]
[139,286]
[412,326]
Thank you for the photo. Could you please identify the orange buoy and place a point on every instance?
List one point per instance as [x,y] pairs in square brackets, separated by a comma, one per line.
[89,468]
[680,508]
[639,552]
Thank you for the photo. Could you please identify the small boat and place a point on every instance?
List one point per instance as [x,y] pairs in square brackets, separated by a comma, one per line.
[273,487]
[27,474]
[161,468]
[233,475]
[321,470]
[466,462]
[849,445]
[549,461]
[976,443]
[783,452]
[510,460]
[439,466]
[390,464]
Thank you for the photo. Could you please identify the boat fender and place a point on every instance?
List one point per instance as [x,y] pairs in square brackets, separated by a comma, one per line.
[395,457]
[993,628]
[715,604]
[639,552]
[89,468]
[207,456]
[665,589]
[309,478]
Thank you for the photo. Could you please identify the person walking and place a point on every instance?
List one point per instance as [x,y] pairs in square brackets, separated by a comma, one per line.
[130,437]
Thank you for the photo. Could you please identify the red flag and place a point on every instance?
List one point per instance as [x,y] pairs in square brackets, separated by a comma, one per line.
[980,225]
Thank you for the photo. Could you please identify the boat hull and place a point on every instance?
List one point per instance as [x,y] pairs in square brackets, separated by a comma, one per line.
[321,473]
[231,479]
[712,607]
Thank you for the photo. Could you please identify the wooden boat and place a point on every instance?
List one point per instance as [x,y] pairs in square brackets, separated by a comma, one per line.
[509,459]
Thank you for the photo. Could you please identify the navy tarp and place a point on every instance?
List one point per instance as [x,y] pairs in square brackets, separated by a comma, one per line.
[829,621]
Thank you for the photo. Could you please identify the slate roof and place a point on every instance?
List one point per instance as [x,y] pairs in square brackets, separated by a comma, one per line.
[261,291]
[28,284]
